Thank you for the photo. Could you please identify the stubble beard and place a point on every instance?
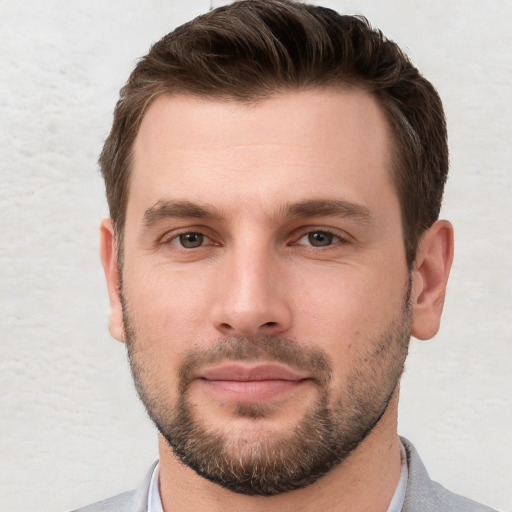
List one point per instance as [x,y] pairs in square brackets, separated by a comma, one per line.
[270,462]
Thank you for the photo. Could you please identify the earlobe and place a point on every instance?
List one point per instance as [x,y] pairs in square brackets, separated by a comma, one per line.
[430,276]
[112,275]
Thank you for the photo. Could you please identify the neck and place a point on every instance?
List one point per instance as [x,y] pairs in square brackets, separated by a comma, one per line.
[364,482]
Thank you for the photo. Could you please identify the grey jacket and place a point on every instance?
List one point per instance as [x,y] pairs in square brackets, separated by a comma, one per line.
[422,494]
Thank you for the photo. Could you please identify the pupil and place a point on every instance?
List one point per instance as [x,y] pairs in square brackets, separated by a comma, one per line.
[191,240]
[320,239]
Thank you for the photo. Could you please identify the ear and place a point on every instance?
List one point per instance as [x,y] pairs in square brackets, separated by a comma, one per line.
[108,255]
[430,276]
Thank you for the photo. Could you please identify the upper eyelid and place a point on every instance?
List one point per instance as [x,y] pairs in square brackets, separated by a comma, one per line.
[173,240]
[175,233]
[337,240]
[329,231]
[340,233]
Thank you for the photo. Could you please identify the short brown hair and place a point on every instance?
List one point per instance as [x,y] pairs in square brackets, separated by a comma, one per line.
[252,49]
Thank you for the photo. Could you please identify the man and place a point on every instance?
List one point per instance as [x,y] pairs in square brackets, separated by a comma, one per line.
[274,176]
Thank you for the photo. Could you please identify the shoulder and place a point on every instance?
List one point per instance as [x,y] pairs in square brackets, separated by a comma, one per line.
[120,503]
[425,495]
[451,501]
[130,501]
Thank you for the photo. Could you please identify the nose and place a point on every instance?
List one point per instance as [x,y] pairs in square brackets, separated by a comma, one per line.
[251,298]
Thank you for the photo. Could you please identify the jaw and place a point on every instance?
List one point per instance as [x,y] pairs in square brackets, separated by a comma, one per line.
[371,471]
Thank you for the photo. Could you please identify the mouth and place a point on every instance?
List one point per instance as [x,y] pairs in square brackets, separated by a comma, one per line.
[251,384]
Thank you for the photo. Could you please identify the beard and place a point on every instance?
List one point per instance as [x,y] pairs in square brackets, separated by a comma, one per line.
[269,461]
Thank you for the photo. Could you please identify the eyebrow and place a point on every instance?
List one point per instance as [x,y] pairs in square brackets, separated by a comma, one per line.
[167,208]
[328,207]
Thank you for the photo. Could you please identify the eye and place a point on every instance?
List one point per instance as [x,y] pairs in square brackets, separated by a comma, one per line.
[319,239]
[190,240]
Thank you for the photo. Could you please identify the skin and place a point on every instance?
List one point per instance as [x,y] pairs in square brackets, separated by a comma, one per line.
[258,273]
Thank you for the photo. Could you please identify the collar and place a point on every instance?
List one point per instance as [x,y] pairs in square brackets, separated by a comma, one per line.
[154,501]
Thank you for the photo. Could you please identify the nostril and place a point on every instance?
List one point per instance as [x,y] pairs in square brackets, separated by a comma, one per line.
[270,324]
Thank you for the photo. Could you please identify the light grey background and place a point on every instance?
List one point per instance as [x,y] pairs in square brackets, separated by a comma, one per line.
[71,428]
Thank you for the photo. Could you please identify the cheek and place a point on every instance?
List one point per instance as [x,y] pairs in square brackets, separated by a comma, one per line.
[162,329]
[167,313]
[349,299]
[168,291]
[346,312]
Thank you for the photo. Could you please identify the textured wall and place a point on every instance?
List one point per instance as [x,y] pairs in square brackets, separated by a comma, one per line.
[71,429]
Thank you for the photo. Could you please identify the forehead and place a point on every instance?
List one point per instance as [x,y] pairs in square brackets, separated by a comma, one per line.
[310,112]
[291,144]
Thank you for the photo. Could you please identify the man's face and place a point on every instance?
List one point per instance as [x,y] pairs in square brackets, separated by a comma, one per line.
[265,286]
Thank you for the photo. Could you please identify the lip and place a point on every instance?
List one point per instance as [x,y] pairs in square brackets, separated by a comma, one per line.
[251,384]
[243,373]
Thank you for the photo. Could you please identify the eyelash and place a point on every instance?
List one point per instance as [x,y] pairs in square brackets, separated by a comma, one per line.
[336,238]
[175,239]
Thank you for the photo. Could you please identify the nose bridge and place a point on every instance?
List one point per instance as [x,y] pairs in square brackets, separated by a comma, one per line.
[252,298]
[252,267]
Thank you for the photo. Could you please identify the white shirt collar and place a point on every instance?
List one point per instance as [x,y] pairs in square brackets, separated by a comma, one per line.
[397,502]
[154,500]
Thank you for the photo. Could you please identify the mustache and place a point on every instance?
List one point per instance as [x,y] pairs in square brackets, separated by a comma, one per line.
[266,348]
